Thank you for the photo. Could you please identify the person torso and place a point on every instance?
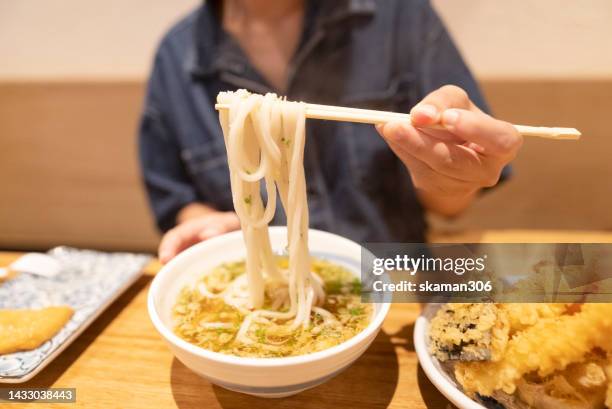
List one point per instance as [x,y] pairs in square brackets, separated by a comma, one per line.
[348,56]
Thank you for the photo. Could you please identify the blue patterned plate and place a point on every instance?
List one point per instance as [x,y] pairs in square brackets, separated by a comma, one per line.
[89,282]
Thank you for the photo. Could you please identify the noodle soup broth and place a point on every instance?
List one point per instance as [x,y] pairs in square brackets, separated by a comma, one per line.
[209,313]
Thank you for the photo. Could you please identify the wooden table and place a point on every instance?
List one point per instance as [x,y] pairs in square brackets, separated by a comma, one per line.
[121,361]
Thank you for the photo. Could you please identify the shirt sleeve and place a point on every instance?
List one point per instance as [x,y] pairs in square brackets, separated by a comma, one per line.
[167,184]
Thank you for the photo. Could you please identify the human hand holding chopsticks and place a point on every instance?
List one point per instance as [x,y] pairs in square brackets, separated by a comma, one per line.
[449,166]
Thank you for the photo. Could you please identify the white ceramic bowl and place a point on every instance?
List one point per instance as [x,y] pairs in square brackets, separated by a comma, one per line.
[266,377]
[431,366]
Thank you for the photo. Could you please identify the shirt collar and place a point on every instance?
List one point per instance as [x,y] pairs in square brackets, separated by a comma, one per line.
[213,52]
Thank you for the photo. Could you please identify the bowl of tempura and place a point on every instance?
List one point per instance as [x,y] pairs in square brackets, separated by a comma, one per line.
[518,355]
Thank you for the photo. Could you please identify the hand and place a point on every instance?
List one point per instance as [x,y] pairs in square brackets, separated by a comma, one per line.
[194,230]
[448,166]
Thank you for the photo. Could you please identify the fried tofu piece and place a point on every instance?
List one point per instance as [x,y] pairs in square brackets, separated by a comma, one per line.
[22,330]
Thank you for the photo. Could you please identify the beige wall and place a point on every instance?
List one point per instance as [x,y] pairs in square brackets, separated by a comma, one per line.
[116,38]
[83,38]
[532,38]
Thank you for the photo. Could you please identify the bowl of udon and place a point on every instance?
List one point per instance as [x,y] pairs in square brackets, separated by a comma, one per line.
[265,311]
[196,303]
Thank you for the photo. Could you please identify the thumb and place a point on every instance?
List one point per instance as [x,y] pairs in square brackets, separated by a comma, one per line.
[428,111]
[424,114]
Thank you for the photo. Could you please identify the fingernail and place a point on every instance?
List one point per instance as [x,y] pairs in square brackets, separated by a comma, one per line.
[428,110]
[450,117]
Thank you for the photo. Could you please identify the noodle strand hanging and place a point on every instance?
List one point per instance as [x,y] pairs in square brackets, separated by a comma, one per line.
[265,137]
[270,305]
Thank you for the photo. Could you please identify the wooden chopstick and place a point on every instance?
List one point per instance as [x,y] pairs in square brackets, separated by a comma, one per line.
[369,116]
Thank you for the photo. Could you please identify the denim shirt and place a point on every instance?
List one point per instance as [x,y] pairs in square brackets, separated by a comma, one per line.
[376,54]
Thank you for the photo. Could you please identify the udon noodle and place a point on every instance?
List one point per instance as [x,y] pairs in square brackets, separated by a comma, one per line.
[268,304]
[264,137]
